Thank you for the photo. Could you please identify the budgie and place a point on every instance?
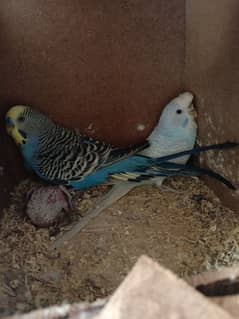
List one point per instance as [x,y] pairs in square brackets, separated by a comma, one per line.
[56,154]
[175,131]
[62,156]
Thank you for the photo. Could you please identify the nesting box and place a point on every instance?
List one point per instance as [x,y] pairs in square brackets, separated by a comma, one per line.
[109,67]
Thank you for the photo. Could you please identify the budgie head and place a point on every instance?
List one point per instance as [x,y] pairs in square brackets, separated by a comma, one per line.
[179,114]
[25,124]
[176,129]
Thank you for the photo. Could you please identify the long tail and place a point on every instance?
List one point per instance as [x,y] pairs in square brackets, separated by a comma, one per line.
[220,178]
[173,169]
[116,192]
[199,149]
[168,169]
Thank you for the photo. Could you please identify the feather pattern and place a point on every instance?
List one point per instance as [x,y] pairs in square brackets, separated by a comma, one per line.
[73,155]
[140,168]
[57,154]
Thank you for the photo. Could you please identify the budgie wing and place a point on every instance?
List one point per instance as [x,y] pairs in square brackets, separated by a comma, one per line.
[78,158]
[73,163]
[138,168]
[118,154]
[168,169]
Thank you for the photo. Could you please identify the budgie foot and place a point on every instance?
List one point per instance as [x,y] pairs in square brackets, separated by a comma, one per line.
[116,192]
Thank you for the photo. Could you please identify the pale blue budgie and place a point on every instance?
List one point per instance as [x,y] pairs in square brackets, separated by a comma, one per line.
[62,156]
[175,132]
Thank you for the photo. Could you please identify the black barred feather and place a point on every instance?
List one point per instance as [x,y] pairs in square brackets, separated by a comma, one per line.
[65,155]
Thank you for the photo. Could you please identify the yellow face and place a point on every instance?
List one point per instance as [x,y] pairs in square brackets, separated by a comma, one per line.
[14,120]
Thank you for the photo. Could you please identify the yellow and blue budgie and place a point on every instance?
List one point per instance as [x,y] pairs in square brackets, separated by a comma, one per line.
[62,156]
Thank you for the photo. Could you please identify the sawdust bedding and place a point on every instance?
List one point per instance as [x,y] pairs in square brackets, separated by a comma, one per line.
[188,231]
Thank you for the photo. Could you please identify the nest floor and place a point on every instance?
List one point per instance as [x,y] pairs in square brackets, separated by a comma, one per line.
[187,230]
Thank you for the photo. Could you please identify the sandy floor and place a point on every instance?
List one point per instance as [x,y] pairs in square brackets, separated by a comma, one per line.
[187,232]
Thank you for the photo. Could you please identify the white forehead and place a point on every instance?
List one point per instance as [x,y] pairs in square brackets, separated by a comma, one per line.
[182,101]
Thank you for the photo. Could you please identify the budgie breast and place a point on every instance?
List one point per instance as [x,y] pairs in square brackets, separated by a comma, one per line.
[164,142]
[161,145]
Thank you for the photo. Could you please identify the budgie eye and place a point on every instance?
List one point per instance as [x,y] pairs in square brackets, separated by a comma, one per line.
[179,111]
[21,118]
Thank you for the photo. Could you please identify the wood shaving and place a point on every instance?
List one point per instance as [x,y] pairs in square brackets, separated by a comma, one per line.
[188,231]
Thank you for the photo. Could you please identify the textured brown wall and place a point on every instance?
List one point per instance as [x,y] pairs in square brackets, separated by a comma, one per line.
[212,72]
[105,62]
[110,63]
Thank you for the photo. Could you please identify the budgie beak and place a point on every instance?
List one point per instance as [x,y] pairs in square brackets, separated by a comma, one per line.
[185,100]
[192,111]
[18,136]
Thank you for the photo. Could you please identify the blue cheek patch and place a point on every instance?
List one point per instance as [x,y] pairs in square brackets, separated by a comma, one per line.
[185,122]
[9,122]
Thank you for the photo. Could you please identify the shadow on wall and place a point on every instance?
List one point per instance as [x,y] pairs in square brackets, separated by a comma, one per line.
[102,66]
[212,66]
[106,67]
[111,64]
